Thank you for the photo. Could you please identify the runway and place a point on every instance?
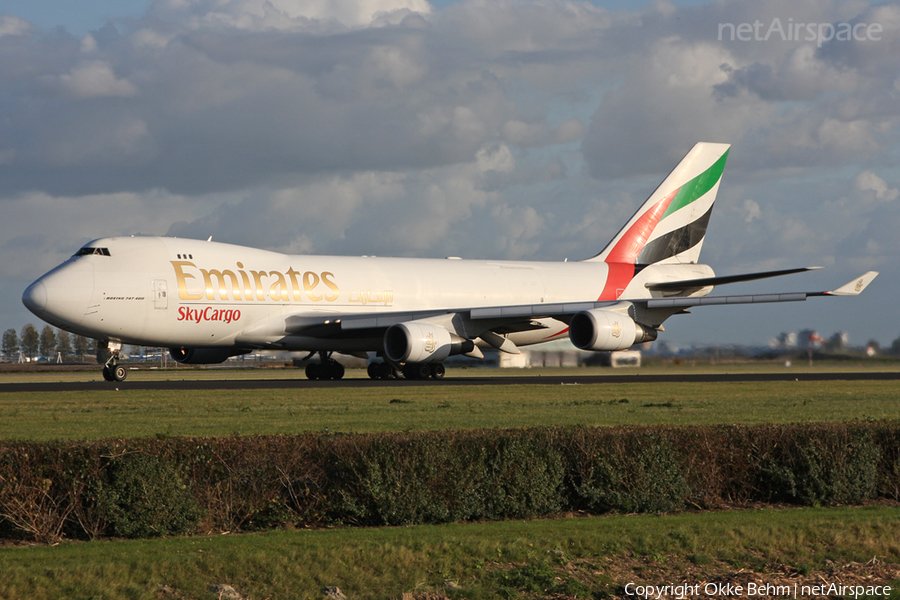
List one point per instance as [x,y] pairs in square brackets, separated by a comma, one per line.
[543,379]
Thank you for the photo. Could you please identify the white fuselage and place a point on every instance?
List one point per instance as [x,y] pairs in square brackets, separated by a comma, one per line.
[177,292]
[171,292]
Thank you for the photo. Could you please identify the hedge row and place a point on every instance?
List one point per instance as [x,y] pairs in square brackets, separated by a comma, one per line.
[150,487]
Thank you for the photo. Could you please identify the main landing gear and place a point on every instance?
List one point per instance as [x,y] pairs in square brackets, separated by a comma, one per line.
[112,370]
[327,369]
[383,370]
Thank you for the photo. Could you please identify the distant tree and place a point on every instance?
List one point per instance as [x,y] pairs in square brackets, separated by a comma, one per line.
[82,346]
[10,344]
[63,343]
[47,342]
[895,346]
[30,340]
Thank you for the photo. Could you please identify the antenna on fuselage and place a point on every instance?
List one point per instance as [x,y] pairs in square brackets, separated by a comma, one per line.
[209,239]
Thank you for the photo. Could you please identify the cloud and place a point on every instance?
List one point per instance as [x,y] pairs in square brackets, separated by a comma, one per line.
[483,128]
[263,15]
[95,79]
[751,210]
[532,135]
[650,121]
[869,181]
[39,230]
[787,103]
[497,158]
[10,25]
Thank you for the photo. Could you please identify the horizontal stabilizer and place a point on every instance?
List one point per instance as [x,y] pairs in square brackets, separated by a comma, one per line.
[672,286]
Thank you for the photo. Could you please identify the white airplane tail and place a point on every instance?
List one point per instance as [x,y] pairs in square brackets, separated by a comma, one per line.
[671,225]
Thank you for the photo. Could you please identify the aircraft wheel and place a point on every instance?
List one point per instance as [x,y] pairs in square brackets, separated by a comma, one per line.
[389,372]
[437,370]
[374,370]
[335,370]
[313,371]
[118,373]
[107,373]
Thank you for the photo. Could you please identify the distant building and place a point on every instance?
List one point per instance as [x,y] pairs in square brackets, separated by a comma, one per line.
[620,359]
[562,354]
[514,361]
[786,340]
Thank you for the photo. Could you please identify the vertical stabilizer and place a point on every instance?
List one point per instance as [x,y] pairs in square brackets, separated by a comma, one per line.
[671,225]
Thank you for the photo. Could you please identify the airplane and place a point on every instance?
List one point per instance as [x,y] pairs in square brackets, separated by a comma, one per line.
[208,301]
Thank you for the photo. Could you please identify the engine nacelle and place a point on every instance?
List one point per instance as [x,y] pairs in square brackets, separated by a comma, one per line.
[202,356]
[606,330]
[418,342]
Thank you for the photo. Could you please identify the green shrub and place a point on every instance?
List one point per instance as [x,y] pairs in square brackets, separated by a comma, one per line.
[821,466]
[152,487]
[523,474]
[255,482]
[718,463]
[635,471]
[887,438]
[400,479]
[144,496]
[404,479]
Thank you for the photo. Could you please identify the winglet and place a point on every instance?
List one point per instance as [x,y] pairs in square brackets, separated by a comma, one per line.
[855,287]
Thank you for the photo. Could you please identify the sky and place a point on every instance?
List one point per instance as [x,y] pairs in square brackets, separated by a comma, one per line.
[488,129]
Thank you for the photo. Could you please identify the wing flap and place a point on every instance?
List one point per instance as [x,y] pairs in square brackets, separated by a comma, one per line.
[721,300]
[532,310]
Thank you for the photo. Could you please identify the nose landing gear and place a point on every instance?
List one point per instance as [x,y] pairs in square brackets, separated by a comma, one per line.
[112,371]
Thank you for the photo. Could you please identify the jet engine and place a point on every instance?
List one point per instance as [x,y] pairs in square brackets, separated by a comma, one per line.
[203,356]
[419,342]
[606,330]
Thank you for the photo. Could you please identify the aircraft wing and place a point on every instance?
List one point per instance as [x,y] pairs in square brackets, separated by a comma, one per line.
[521,317]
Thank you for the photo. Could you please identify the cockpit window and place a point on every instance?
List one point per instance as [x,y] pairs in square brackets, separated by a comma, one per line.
[87,250]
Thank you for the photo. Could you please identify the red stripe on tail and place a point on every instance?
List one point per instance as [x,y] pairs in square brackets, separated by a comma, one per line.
[629,247]
[622,257]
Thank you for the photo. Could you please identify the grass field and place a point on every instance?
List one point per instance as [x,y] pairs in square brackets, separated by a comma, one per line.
[562,558]
[132,413]
[574,557]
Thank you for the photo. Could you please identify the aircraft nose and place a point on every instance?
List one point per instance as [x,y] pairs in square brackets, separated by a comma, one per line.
[61,297]
[35,298]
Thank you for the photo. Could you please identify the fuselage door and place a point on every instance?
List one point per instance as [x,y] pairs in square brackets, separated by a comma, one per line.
[160,295]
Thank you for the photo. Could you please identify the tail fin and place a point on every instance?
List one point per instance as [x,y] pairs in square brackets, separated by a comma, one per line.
[671,225]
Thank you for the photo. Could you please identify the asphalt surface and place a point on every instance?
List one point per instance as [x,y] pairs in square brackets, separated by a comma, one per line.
[284,384]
